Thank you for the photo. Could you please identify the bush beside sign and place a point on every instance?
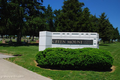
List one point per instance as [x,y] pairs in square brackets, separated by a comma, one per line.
[85,58]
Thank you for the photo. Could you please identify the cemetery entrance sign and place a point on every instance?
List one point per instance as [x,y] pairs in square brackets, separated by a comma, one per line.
[68,39]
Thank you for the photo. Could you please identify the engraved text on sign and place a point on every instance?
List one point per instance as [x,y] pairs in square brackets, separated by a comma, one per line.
[72,41]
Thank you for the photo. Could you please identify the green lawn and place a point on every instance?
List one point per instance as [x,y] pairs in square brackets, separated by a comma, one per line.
[28,56]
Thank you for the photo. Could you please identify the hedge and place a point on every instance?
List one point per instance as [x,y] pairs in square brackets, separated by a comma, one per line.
[85,58]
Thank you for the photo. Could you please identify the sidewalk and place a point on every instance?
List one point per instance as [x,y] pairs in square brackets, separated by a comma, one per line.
[11,71]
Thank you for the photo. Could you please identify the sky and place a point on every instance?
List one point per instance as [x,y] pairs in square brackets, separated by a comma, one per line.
[96,7]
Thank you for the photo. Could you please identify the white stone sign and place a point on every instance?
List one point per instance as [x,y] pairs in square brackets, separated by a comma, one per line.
[73,40]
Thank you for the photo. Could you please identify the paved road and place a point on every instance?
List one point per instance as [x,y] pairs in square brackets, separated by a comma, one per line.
[11,71]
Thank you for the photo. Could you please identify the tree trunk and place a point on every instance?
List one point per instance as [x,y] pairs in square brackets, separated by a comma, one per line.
[19,37]
[33,35]
[6,36]
[33,38]
[104,41]
[1,36]
[14,37]
[10,38]
[112,40]
[30,37]
[109,41]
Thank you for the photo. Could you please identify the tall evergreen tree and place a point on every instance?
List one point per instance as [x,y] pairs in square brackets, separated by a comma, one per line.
[119,37]
[86,27]
[4,17]
[49,16]
[93,23]
[34,12]
[56,14]
[105,28]
[115,34]
[69,19]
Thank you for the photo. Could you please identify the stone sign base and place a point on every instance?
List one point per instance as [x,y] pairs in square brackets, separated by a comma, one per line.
[73,40]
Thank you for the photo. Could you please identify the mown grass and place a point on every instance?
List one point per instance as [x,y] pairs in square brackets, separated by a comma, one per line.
[27,60]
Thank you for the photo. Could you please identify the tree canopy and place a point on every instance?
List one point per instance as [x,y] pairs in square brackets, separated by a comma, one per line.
[28,17]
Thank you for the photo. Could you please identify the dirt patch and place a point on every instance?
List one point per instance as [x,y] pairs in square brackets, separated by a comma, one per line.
[113,69]
[35,63]
[4,50]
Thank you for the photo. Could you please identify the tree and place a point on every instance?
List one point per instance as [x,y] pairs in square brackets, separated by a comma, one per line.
[115,34]
[105,28]
[85,27]
[15,12]
[34,12]
[49,18]
[56,14]
[119,38]
[93,23]
[69,18]
[35,25]
[4,17]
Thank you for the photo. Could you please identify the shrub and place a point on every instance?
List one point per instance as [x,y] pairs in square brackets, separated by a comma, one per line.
[85,58]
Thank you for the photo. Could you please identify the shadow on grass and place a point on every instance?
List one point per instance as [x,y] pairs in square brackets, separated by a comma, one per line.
[72,68]
[15,44]
[17,55]
[107,44]
[103,45]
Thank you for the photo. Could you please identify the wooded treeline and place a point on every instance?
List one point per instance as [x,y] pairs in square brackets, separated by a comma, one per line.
[28,17]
